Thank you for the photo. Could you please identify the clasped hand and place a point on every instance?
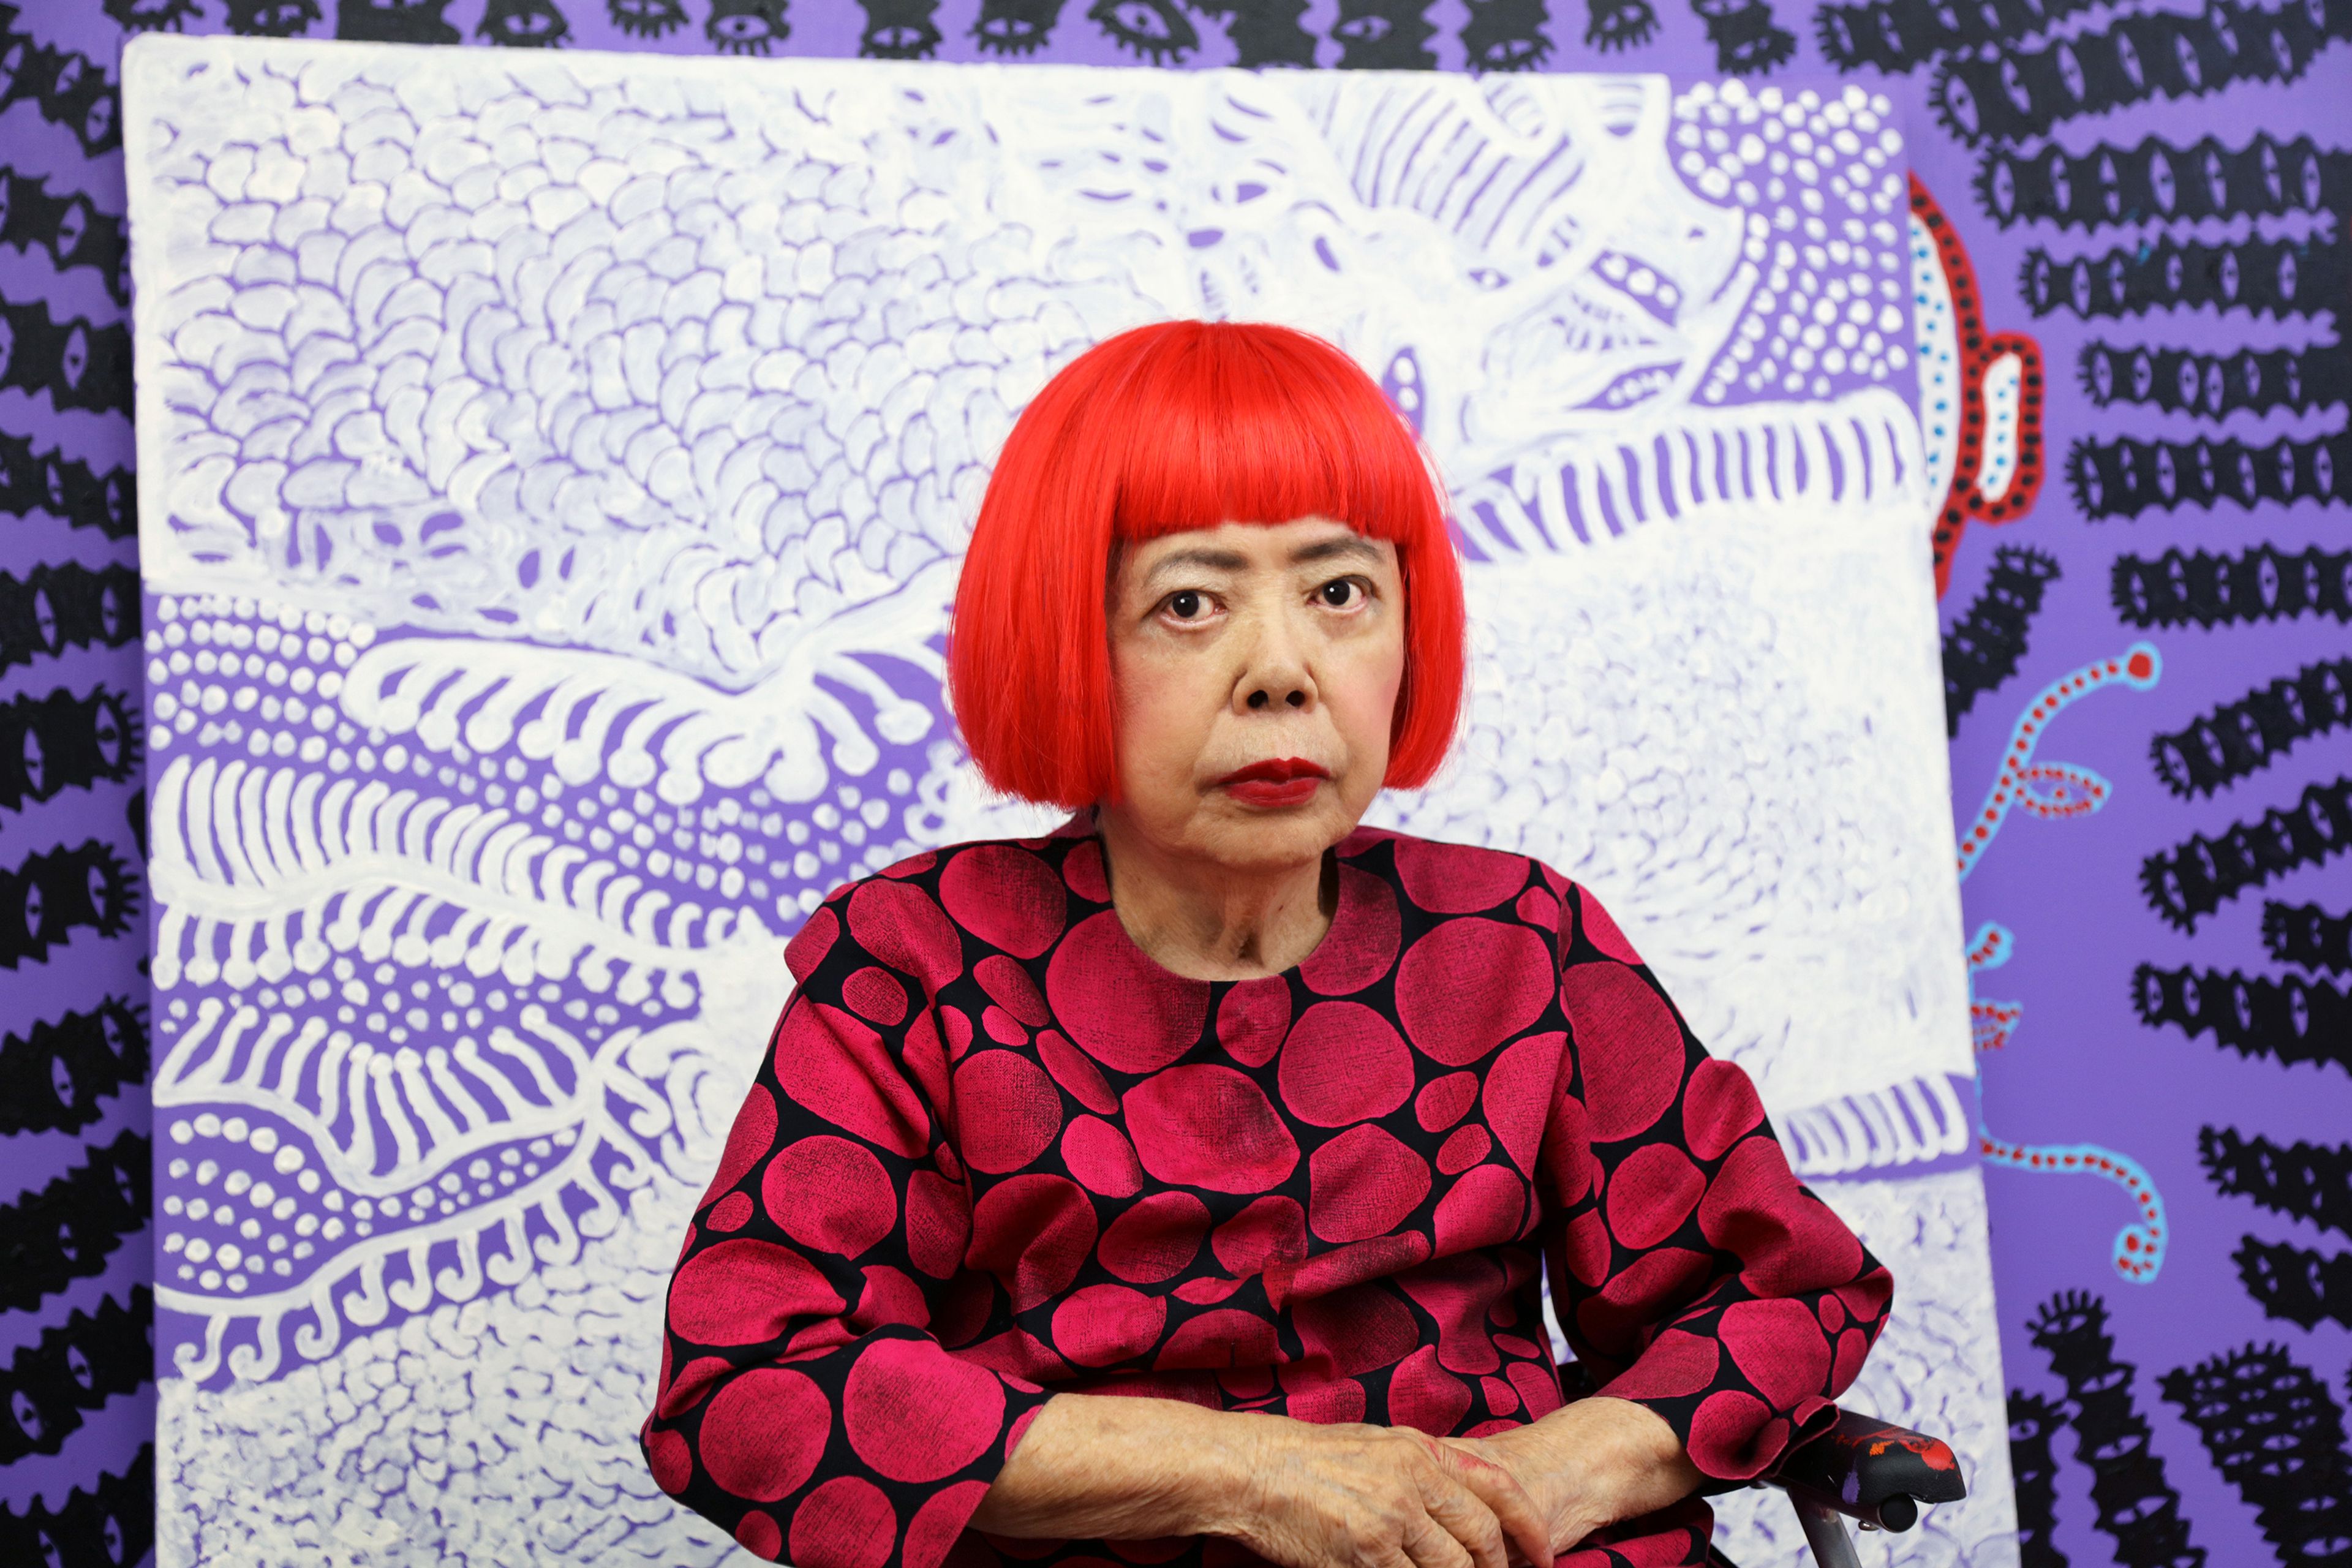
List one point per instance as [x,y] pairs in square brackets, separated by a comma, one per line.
[1355,1496]
[1347,1495]
[1375,1497]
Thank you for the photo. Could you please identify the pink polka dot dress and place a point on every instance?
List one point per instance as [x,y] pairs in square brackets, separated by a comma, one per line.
[995,1153]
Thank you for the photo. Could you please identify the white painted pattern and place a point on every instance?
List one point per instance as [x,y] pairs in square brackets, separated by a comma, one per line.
[555,474]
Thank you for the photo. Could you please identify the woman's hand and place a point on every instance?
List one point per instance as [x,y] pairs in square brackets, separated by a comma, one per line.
[1591,1463]
[1353,1496]
[1303,1495]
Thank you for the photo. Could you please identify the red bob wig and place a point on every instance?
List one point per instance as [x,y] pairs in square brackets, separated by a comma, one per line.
[1165,428]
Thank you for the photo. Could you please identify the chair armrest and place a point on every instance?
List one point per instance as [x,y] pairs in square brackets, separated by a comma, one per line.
[1872,1471]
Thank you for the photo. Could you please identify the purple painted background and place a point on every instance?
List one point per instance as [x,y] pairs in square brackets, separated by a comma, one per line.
[2080,1066]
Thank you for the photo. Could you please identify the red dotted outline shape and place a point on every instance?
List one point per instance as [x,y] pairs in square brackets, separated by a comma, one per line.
[1962,502]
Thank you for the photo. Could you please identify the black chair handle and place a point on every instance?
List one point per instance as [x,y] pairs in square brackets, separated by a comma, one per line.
[1872,1471]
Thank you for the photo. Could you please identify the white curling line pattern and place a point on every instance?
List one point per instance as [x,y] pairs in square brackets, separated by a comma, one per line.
[598,715]
[251,854]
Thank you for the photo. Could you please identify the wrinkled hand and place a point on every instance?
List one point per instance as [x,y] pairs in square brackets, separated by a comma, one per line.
[1553,1486]
[1356,1496]
[1589,1464]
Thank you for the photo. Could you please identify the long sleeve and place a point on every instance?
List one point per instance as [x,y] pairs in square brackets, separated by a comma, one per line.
[1693,1273]
[803,1402]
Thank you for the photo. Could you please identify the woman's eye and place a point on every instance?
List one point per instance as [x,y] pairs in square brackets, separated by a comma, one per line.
[1338,595]
[1184,605]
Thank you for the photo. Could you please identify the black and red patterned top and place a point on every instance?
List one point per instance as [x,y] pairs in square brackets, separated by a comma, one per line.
[996,1153]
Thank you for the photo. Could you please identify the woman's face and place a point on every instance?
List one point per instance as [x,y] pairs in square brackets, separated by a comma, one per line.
[1256,669]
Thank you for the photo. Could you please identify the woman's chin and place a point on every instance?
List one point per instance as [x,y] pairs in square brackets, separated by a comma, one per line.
[1241,832]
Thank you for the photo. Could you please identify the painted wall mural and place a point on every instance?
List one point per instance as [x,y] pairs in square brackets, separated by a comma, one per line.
[2150,199]
[554,473]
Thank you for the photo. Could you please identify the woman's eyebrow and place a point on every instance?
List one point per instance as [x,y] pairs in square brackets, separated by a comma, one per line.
[1214,560]
[1353,545]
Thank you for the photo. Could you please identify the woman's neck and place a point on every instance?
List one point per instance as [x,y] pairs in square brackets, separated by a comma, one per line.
[1207,920]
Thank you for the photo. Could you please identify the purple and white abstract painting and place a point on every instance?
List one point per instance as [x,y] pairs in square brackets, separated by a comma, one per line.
[555,472]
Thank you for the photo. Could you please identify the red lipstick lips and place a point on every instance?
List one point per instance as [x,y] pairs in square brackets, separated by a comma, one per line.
[1286,780]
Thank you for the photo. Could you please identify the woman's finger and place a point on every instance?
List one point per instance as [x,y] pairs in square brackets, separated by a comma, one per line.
[1431,1541]
[1517,1512]
[1458,1509]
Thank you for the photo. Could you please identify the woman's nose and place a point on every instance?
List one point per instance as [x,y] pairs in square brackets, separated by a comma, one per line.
[1274,672]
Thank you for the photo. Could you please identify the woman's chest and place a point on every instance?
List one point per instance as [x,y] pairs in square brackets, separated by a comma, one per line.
[1184,1138]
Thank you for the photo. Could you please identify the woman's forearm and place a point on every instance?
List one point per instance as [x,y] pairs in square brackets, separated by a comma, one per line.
[1099,1466]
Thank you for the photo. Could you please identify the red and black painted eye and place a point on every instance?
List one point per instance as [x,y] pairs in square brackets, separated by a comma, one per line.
[1981,394]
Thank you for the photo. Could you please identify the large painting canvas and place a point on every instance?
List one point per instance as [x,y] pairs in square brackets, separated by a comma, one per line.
[553,473]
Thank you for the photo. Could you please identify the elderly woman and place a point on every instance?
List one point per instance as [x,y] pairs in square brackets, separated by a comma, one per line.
[1173,1189]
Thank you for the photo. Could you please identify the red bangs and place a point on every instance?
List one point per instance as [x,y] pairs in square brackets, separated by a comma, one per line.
[1247,426]
[1179,426]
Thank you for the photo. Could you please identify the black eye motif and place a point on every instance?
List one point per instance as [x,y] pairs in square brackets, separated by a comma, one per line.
[1016,26]
[74,360]
[72,224]
[524,24]
[900,30]
[1155,29]
[152,16]
[270,18]
[395,21]
[647,19]
[747,27]
[1506,35]
[97,124]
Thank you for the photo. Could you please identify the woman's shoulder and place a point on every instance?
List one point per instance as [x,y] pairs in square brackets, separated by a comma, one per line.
[906,915]
[1441,877]
[1445,880]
